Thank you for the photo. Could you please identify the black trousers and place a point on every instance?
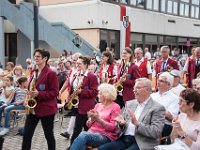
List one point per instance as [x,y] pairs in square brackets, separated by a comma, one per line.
[167,129]
[47,125]
[80,123]
[120,101]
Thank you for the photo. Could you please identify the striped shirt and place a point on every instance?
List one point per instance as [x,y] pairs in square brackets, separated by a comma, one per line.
[20,94]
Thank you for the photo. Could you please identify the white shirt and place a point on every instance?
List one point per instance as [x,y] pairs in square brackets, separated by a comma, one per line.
[105,69]
[178,89]
[78,80]
[147,55]
[74,71]
[169,100]
[131,127]
[148,66]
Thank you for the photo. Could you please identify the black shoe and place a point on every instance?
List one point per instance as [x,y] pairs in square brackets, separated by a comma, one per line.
[65,134]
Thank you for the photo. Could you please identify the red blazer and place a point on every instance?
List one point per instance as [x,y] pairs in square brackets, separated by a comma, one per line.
[170,63]
[191,71]
[109,71]
[48,88]
[131,76]
[89,91]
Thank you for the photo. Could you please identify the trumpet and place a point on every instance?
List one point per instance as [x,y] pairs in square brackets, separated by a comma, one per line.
[31,104]
[73,99]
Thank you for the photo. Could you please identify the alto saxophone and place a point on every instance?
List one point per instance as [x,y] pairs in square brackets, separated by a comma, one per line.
[31,104]
[119,84]
[73,99]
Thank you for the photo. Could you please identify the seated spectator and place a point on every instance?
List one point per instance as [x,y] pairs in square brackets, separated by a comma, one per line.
[187,125]
[195,82]
[101,122]
[7,91]
[177,87]
[17,73]
[142,119]
[169,100]
[17,104]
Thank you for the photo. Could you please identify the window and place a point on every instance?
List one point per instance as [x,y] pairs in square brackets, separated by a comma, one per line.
[175,8]
[152,4]
[136,37]
[151,38]
[195,9]
[133,2]
[172,7]
[163,5]
[196,2]
[169,7]
[184,8]
[124,1]
[138,3]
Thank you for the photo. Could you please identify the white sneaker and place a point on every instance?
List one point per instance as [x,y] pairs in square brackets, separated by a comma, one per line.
[4,131]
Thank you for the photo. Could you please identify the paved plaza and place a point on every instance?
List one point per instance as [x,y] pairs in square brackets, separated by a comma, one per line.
[14,142]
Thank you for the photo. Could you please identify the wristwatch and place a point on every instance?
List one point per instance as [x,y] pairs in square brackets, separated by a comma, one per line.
[184,136]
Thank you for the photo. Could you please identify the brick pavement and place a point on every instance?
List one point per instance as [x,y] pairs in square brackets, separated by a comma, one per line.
[13,142]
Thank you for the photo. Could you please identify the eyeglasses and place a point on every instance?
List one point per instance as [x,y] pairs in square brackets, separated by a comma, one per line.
[181,100]
[79,63]
[162,81]
[138,88]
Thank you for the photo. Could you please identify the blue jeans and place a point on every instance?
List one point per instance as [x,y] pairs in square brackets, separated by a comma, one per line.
[126,142]
[93,139]
[7,111]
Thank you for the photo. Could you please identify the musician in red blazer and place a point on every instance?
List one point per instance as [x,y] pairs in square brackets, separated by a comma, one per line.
[108,70]
[87,93]
[132,73]
[193,67]
[46,92]
[165,63]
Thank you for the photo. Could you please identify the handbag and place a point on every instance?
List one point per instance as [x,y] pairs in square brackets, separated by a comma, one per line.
[177,145]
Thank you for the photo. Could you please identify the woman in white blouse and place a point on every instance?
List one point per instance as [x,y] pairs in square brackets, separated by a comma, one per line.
[187,125]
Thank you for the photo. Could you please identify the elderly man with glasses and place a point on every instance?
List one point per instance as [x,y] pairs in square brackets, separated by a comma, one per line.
[168,99]
[142,121]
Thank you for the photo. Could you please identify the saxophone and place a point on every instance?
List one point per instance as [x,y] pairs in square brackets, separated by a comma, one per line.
[107,79]
[119,83]
[73,99]
[31,100]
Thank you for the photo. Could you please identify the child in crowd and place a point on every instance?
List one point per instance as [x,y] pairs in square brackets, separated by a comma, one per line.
[7,91]
[18,103]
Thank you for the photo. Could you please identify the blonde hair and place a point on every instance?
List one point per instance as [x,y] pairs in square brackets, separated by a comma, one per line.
[108,91]
[19,67]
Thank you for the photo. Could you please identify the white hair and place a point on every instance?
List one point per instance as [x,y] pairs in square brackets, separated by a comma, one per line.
[108,91]
[146,82]
[195,81]
[76,55]
[138,49]
[165,47]
[169,78]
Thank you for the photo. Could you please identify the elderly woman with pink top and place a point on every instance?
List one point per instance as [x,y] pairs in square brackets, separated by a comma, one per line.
[101,122]
[187,126]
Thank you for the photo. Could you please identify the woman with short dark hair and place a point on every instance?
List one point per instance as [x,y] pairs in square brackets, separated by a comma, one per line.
[44,88]
[187,125]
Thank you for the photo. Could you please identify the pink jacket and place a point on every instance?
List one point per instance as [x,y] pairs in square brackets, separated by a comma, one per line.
[108,114]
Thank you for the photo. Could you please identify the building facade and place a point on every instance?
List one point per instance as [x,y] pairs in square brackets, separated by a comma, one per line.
[153,22]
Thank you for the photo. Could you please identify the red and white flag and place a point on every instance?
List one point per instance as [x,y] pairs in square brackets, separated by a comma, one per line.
[125,28]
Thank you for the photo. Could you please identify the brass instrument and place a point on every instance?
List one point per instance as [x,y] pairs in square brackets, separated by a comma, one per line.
[31,100]
[107,79]
[119,84]
[73,99]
